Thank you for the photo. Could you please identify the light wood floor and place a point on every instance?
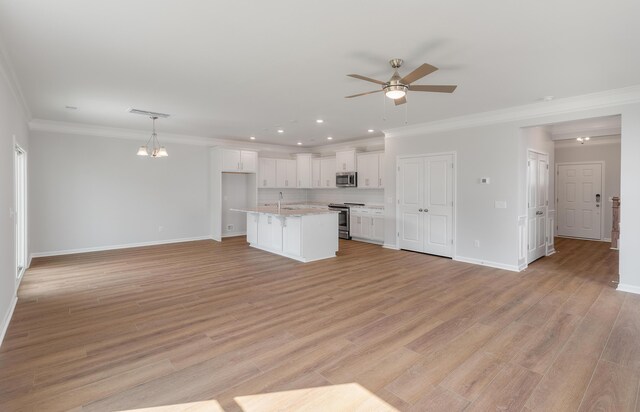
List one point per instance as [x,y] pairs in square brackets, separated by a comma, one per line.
[204,321]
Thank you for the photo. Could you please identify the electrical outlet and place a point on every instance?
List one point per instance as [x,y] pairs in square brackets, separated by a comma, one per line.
[160,228]
[229,228]
[476,243]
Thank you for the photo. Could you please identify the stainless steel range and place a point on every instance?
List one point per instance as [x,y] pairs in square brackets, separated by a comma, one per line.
[344,218]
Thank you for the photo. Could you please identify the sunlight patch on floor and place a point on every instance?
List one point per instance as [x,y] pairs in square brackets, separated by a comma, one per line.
[349,397]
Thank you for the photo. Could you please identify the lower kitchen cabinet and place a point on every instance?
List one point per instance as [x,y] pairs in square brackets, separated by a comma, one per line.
[304,238]
[367,224]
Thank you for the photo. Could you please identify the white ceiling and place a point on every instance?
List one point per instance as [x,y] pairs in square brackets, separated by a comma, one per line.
[231,69]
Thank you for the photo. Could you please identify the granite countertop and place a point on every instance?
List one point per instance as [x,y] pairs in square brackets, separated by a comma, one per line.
[285,211]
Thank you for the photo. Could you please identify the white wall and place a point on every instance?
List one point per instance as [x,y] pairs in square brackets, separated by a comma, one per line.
[94,192]
[238,191]
[489,151]
[489,147]
[594,151]
[12,123]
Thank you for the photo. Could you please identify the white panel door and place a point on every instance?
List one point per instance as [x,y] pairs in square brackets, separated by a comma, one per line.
[537,196]
[411,198]
[438,205]
[580,200]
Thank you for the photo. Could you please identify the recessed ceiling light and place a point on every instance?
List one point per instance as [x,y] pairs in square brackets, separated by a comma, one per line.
[252,138]
[319,121]
[299,143]
[71,107]
[329,138]
[280,131]
[370,130]
[548,98]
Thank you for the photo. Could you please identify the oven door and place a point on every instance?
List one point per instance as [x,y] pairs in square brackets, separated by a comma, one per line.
[343,222]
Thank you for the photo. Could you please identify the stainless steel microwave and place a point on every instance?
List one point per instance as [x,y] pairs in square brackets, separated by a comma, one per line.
[347,179]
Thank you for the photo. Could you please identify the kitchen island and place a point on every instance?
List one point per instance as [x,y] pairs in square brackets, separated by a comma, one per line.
[303,234]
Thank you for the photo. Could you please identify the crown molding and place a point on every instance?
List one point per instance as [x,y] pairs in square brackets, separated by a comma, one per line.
[6,71]
[587,132]
[609,98]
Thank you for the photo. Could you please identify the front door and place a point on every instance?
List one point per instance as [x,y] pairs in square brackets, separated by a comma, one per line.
[580,200]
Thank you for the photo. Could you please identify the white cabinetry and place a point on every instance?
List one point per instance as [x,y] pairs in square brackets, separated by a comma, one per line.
[367,224]
[304,171]
[267,172]
[346,161]
[369,170]
[270,232]
[252,227]
[328,172]
[291,236]
[316,174]
[239,160]
[286,173]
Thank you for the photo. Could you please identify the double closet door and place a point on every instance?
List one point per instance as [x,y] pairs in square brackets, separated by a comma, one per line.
[425,196]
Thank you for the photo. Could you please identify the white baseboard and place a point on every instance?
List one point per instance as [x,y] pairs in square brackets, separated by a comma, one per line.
[496,265]
[374,242]
[390,246]
[234,234]
[606,239]
[628,288]
[7,319]
[113,247]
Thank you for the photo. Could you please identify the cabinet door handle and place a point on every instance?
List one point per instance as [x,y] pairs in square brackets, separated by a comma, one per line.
[264,182]
[380,182]
[299,182]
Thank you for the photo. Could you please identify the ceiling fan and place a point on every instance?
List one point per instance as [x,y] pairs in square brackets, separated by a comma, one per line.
[396,88]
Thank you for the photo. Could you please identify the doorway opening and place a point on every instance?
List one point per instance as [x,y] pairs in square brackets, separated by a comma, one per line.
[20,210]
[583,182]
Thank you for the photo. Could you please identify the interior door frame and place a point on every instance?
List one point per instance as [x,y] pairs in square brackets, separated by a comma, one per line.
[454,196]
[602,188]
[23,214]
[546,206]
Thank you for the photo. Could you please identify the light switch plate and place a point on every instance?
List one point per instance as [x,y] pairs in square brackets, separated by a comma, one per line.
[500,204]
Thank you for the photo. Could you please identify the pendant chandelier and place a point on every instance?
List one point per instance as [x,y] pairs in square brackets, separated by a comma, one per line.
[153,148]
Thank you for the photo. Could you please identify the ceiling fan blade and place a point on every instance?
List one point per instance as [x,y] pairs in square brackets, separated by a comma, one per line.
[400,101]
[362,94]
[368,79]
[418,73]
[436,89]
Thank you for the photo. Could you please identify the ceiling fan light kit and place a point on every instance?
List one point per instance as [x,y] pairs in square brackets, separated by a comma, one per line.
[397,87]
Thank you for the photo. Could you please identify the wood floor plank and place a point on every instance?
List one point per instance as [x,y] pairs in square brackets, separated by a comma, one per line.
[611,389]
[623,347]
[213,321]
[564,384]
[509,390]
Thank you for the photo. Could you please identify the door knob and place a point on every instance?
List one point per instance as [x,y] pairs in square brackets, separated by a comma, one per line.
[426,210]
[419,210]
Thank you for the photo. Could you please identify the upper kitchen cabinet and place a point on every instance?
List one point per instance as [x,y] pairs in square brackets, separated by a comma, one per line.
[304,170]
[328,172]
[286,173]
[267,172]
[243,161]
[370,167]
[316,174]
[346,161]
